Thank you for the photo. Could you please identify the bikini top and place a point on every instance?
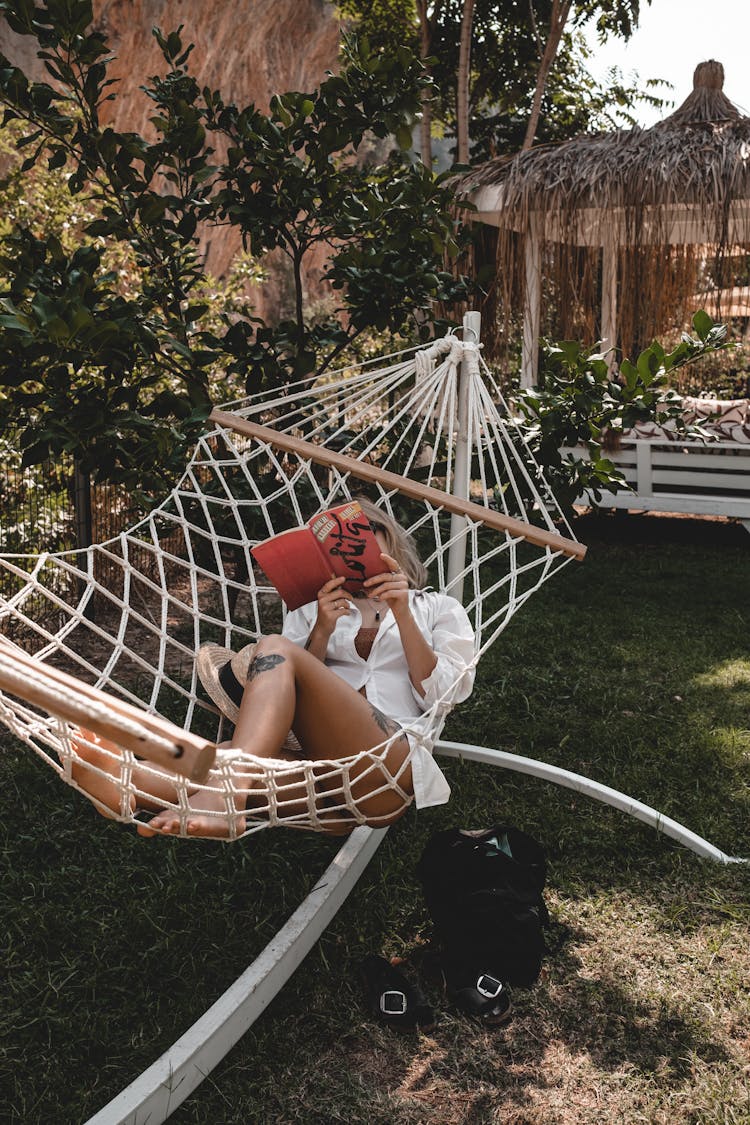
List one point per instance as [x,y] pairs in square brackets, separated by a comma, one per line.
[364,640]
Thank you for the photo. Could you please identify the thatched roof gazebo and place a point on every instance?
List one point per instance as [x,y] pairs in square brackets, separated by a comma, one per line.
[612,230]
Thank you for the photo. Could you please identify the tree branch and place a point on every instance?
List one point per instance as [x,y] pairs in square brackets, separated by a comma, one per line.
[425,125]
[558,19]
[462,84]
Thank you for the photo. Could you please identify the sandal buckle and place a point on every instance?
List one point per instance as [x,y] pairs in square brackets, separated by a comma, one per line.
[393,1003]
[489,986]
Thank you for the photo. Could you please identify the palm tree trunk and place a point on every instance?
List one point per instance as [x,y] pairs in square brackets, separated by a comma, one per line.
[462,84]
[425,127]
[558,19]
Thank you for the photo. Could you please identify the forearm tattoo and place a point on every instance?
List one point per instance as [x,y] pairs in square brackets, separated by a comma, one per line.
[388,726]
[264,664]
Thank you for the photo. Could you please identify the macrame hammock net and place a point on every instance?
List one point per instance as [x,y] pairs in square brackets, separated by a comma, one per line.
[100,644]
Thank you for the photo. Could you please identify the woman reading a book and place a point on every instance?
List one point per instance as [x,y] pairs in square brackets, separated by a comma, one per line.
[346,676]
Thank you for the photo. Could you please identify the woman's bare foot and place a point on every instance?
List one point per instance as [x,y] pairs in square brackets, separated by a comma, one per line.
[209,814]
[97,770]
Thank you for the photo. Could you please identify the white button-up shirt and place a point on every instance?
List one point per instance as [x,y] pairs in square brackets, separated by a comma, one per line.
[444,624]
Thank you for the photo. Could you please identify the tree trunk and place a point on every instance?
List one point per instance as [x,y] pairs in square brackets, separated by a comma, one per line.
[425,127]
[558,19]
[462,84]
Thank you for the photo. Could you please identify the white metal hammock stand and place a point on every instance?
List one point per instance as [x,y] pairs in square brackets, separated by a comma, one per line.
[105,639]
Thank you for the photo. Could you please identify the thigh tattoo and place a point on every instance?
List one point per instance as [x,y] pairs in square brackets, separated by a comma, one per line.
[388,726]
[264,664]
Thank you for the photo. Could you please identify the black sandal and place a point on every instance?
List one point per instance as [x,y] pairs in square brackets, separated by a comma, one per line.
[483,996]
[393,998]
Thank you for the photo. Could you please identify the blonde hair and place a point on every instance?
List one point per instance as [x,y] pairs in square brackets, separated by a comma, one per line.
[397,543]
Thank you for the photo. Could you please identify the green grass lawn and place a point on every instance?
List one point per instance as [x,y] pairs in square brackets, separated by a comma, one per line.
[632,668]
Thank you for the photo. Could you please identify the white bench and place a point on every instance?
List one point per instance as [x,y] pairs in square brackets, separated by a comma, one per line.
[681,476]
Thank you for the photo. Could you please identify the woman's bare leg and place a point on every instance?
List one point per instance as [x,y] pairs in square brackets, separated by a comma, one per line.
[97,770]
[287,688]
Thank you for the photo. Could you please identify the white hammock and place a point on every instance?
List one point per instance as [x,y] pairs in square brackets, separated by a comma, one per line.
[105,639]
[430,438]
[131,623]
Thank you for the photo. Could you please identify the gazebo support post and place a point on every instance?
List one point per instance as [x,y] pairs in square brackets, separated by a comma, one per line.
[609,300]
[532,307]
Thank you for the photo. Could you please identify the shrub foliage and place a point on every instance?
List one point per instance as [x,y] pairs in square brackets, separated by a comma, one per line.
[120,379]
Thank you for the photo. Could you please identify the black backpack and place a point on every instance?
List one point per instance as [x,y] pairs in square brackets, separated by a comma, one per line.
[484,893]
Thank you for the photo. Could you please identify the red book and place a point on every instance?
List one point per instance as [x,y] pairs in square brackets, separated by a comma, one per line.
[338,542]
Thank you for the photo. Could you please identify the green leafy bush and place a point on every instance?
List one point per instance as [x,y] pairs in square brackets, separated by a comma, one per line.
[120,377]
[582,402]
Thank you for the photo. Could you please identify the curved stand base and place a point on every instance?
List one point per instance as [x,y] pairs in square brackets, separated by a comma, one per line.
[594,789]
[158,1091]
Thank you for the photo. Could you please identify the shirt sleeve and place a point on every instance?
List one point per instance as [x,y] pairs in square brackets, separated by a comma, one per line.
[452,640]
[298,624]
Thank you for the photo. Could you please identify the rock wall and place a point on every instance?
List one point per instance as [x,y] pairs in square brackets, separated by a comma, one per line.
[248,49]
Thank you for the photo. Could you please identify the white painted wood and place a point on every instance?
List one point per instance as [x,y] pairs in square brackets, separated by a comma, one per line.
[683,476]
[460,484]
[643,476]
[691,478]
[532,309]
[673,502]
[609,302]
[734,459]
[505,760]
[160,1089]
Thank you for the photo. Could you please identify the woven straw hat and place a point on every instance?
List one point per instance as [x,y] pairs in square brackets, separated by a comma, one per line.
[223,674]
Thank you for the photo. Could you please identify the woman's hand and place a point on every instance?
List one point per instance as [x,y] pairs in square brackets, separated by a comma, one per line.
[333,603]
[391,587]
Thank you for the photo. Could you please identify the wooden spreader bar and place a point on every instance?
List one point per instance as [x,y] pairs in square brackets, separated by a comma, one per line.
[148,736]
[309,451]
